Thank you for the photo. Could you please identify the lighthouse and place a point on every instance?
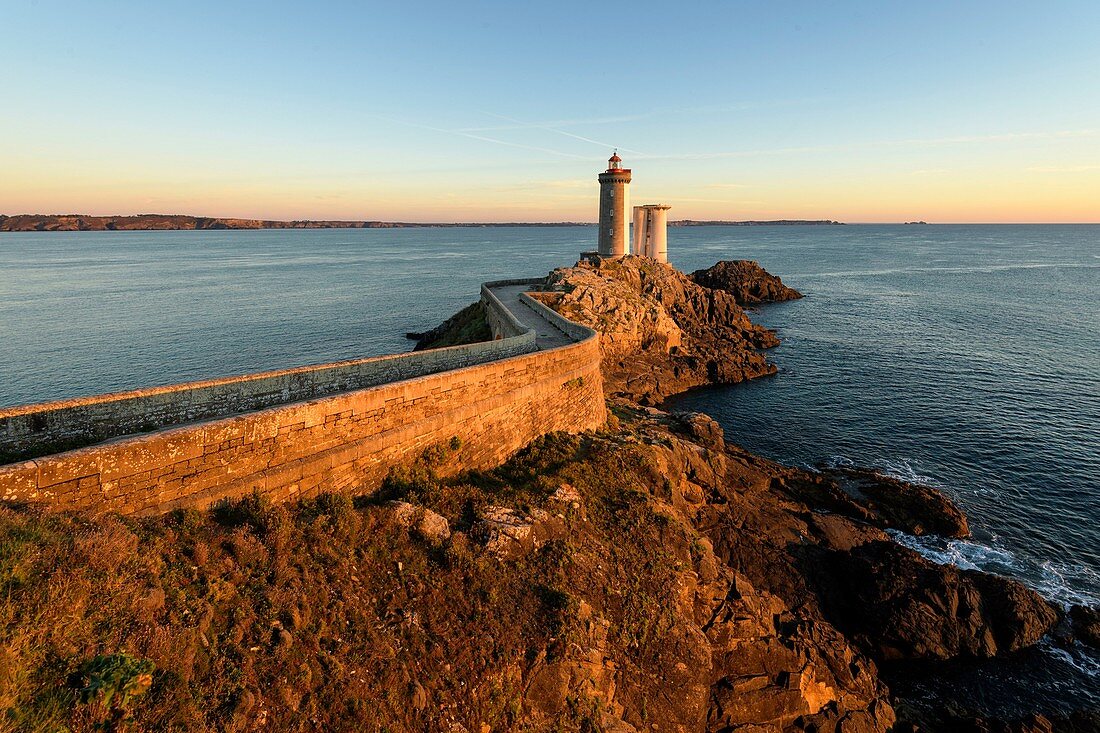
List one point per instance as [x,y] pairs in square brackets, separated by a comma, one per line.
[614,208]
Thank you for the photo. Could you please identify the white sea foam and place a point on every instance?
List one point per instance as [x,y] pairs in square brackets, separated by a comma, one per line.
[899,468]
[1059,583]
[1078,657]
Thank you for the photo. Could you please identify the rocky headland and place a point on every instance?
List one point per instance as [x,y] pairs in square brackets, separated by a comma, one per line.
[649,576]
[660,332]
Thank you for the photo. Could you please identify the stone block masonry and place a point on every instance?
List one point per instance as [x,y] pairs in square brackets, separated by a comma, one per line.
[346,441]
[33,430]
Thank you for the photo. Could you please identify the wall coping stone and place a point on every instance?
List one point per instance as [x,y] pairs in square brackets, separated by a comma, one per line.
[45,428]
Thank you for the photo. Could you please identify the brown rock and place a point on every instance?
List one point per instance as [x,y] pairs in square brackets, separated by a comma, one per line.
[899,606]
[430,526]
[507,532]
[703,429]
[1086,624]
[746,281]
[914,508]
[660,333]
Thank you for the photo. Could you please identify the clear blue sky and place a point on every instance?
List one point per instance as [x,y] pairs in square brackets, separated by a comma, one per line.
[862,111]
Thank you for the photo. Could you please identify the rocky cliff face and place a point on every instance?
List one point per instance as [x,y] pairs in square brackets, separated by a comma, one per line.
[661,333]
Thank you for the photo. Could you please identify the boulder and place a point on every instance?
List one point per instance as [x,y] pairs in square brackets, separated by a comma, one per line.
[1086,624]
[429,526]
[748,282]
[901,607]
[508,532]
[914,508]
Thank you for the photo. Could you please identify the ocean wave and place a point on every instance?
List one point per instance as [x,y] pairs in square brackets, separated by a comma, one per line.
[1078,657]
[1058,582]
[899,468]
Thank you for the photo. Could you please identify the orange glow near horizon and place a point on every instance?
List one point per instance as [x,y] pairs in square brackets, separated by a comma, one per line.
[1046,198]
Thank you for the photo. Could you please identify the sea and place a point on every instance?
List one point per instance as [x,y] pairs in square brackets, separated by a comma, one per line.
[966,357]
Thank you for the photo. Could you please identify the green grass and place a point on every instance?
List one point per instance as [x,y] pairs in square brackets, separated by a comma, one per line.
[322,615]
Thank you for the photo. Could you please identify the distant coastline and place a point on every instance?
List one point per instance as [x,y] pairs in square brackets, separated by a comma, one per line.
[755,223]
[145,222]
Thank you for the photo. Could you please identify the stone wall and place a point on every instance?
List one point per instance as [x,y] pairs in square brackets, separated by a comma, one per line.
[501,321]
[342,442]
[35,430]
[575,331]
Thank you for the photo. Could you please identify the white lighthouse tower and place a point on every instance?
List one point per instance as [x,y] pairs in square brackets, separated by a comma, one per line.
[614,208]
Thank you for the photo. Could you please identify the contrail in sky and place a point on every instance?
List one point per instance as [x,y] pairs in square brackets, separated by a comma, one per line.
[548,128]
[909,142]
[482,138]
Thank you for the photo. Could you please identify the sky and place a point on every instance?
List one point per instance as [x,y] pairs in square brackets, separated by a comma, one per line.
[506,111]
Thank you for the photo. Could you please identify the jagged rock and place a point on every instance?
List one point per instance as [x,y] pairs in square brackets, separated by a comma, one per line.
[508,531]
[914,508]
[431,527]
[703,429]
[776,667]
[746,281]
[1086,624]
[899,606]
[660,333]
[883,501]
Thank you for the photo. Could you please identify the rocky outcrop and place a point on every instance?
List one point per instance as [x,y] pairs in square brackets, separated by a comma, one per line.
[660,333]
[900,607]
[748,282]
[813,538]
[468,326]
[781,528]
[917,509]
[1086,624]
[506,532]
[428,525]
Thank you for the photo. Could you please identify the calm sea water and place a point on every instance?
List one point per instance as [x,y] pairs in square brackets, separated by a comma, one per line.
[963,356]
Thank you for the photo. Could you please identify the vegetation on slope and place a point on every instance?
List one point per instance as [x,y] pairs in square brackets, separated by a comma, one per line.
[470,325]
[323,614]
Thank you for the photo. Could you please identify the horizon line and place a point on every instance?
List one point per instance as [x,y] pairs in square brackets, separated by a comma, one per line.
[560,222]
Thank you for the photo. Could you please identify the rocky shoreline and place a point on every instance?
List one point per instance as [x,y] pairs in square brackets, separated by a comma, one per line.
[649,576]
[662,335]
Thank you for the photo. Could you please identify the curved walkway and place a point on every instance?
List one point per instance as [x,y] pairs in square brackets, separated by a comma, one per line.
[548,336]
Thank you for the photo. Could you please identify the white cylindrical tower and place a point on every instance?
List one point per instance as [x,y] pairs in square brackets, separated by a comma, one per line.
[638,247]
[651,231]
[658,232]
